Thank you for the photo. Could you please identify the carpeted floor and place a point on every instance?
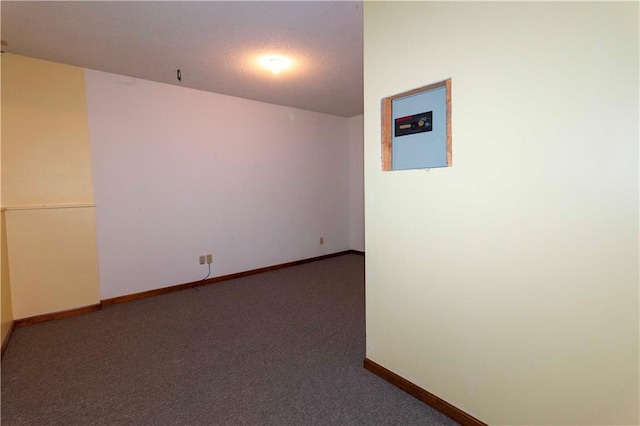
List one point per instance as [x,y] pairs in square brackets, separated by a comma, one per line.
[281,348]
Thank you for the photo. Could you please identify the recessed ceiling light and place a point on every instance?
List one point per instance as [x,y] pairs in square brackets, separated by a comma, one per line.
[275,64]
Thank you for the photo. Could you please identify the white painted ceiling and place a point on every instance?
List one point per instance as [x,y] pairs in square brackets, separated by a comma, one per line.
[215,44]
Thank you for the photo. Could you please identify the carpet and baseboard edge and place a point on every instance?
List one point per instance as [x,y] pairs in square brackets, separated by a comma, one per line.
[57,315]
[423,395]
[7,337]
[150,293]
[214,280]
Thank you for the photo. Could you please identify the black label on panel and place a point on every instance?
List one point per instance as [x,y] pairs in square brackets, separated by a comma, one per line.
[411,124]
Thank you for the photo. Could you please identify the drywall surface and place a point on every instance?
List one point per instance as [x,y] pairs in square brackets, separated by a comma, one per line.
[179,173]
[58,268]
[46,162]
[5,304]
[356,181]
[6,311]
[45,135]
[508,283]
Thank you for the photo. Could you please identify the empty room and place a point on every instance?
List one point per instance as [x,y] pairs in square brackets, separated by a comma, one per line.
[319,212]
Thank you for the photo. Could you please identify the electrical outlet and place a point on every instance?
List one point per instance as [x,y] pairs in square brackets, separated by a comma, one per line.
[321,240]
[209,258]
[202,260]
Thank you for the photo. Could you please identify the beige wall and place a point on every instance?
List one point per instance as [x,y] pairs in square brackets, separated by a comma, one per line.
[6,313]
[46,155]
[46,169]
[58,267]
[508,283]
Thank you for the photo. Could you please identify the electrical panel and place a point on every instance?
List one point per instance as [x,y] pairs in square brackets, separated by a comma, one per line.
[420,130]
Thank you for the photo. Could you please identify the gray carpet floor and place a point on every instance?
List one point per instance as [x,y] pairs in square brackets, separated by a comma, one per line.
[281,348]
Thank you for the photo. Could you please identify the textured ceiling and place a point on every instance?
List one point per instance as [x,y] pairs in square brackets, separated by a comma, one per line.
[215,44]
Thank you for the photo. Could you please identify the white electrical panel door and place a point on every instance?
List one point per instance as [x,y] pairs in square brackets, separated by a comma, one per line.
[419,130]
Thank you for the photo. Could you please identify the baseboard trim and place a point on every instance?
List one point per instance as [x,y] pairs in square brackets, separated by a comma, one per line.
[57,315]
[5,342]
[150,293]
[425,396]
[178,287]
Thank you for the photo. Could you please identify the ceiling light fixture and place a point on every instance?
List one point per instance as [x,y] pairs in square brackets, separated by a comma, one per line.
[275,64]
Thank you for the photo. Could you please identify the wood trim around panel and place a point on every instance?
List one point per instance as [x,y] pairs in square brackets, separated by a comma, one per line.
[425,396]
[171,289]
[387,125]
[57,315]
[5,342]
[386,108]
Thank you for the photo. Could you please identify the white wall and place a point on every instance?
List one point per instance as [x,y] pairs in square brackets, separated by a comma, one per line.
[356,181]
[179,173]
[508,283]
